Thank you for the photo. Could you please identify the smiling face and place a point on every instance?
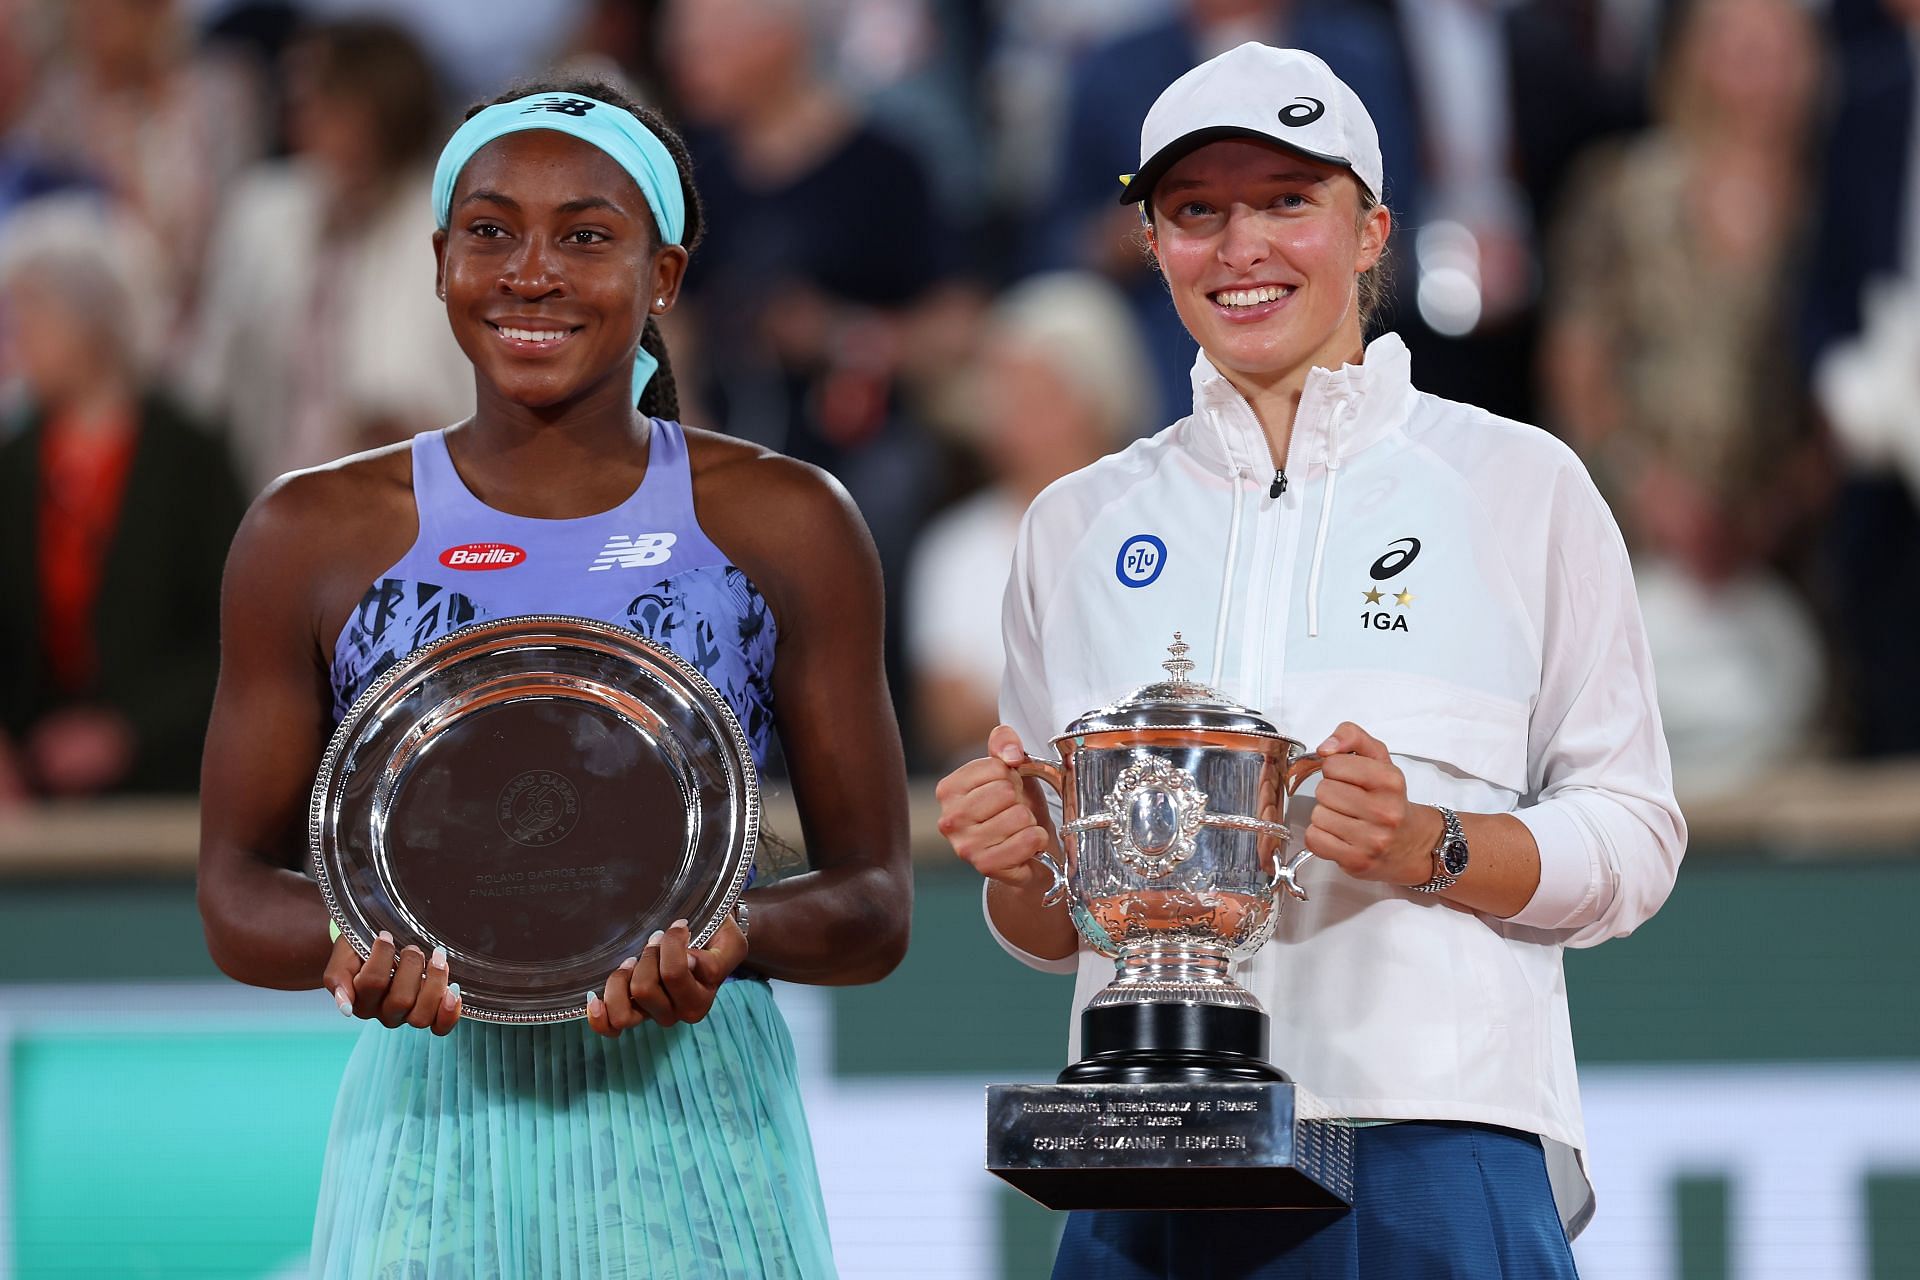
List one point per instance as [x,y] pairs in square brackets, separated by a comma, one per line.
[549,269]
[1261,250]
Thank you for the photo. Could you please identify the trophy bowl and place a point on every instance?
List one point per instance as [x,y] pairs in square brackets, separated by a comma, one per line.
[1176,848]
[537,795]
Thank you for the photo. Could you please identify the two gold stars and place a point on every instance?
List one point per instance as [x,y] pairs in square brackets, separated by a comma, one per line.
[1403,598]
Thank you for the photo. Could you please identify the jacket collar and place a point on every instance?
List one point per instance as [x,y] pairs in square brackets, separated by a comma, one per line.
[1369,399]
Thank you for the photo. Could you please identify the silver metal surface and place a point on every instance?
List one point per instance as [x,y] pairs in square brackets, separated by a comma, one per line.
[537,795]
[1175,835]
[1210,1145]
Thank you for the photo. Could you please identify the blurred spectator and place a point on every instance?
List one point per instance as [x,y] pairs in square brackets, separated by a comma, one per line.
[320,333]
[127,100]
[1669,367]
[1505,96]
[24,173]
[477,47]
[115,513]
[1033,46]
[1061,380]
[1085,226]
[913,63]
[614,40]
[1864,334]
[824,247]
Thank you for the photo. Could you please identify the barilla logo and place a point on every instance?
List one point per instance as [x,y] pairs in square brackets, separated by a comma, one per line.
[482,555]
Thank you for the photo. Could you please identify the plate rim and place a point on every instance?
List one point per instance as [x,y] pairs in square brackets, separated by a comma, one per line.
[530,624]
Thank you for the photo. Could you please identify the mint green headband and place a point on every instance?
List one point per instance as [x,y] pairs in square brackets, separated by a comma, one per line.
[612,129]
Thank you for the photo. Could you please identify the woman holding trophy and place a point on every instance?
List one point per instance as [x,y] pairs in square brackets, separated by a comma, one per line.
[1437,593]
[662,1134]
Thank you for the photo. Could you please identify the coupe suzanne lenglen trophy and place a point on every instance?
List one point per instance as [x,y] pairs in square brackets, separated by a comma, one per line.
[1175,843]
[537,794]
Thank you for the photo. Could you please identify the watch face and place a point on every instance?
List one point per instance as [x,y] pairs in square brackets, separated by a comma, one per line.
[1454,857]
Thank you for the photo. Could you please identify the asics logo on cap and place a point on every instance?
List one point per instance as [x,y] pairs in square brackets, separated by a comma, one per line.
[1297,115]
[637,552]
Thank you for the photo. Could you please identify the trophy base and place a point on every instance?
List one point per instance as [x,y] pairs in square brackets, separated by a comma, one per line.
[1169,1146]
[1169,1043]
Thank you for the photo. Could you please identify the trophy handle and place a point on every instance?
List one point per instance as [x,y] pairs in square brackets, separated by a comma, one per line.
[1284,872]
[1057,891]
[1299,769]
[1048,771]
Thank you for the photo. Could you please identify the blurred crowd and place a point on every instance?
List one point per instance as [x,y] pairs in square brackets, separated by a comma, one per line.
[1682,235]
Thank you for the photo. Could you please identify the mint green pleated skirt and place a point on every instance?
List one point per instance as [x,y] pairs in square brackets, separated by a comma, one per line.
[551,1153]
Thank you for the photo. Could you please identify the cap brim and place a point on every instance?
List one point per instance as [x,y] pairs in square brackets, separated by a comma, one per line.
[1141,185]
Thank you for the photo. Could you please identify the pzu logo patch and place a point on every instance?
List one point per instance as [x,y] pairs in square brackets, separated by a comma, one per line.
[1140,561]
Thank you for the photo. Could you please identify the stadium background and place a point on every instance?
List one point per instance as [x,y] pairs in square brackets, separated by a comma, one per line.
[1750,1059]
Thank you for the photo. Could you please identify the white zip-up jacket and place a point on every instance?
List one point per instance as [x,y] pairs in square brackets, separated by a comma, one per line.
[1452,583]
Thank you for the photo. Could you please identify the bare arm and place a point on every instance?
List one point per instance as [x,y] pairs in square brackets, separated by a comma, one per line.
[846,920]
[263,917]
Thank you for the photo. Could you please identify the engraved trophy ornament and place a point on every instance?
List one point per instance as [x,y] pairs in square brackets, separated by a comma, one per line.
[1176,854]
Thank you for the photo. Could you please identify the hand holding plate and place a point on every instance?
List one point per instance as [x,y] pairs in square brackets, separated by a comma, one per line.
[403,987]
[669,982]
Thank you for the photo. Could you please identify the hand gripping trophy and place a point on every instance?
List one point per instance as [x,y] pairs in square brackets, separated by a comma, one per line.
[1175,841]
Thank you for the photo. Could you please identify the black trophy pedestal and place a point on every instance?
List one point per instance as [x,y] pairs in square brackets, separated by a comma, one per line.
[1174,1106]
[1169,1146]
[1169,1043]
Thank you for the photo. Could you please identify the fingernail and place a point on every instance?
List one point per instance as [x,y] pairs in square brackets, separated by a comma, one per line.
[679,924]
[658,934]
[384,936]
[343,1004]
[451,1000]
[1011,755]
[438,959]
[593,998]
[1328,745]
[630,962]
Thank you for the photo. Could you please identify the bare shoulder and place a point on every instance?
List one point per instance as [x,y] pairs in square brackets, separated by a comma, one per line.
[750,492]
[315,538]
[786,523]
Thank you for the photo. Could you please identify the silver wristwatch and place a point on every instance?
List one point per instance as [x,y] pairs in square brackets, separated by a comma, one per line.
[1449,856]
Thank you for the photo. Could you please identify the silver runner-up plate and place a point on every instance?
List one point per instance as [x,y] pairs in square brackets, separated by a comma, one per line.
[537,795]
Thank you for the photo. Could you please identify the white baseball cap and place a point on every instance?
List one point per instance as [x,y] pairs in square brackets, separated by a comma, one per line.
[1283,96]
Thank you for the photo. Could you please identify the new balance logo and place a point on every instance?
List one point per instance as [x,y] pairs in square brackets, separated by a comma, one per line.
[637,552]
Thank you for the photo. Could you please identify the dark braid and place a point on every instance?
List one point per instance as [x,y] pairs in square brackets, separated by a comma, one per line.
[661,399]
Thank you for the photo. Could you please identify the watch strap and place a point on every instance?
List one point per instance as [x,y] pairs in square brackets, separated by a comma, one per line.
[1450,833]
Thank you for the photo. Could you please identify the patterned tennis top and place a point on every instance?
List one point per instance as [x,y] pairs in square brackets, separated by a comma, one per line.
[646,564]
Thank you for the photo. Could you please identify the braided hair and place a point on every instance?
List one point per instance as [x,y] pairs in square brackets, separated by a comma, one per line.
[661,399]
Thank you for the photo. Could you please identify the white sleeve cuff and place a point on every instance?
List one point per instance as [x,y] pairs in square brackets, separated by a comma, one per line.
[1570,881]
[1065,964]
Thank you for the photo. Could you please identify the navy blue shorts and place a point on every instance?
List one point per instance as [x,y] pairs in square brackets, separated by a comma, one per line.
[1431,1202]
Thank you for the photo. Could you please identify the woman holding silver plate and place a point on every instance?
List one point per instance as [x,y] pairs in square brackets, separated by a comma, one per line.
[1437,593]
[662,1135]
